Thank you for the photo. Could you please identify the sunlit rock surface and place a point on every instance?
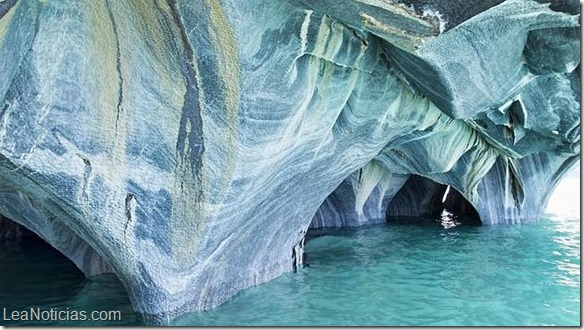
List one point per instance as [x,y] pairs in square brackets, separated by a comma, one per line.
[188,145]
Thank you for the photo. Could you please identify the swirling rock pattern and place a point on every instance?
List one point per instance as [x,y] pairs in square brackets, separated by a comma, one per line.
[188,145]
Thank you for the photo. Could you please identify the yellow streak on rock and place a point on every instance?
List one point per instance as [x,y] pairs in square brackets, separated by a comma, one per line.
[400,10]
[225,46]
[102,51]
[187,217]
[322,36]
[171,85]
[406,40]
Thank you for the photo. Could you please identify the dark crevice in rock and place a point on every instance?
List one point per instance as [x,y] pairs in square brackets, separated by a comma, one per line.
[129,205]
[86,175]
[515,184]
[118,63]
[191,112]
[517,120]
[298,256]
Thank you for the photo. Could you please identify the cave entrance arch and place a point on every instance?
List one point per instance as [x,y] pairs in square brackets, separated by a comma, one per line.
[31,214]
[24,212]
[32,269]
[421,198]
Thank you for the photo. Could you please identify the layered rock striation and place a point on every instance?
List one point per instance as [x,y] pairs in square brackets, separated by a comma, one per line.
[187,146]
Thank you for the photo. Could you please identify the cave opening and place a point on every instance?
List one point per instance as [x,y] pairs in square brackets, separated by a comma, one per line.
[30,267]
[14,235]
[424,201]
[457,210]
[36,274]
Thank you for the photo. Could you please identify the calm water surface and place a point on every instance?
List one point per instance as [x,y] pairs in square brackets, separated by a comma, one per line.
[422,275]
[395,274]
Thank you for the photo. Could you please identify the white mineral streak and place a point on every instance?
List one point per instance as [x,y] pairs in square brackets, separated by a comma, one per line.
[436,15]
[369,177]
[304,31]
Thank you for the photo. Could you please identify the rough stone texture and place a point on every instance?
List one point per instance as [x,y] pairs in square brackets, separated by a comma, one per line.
[187,145]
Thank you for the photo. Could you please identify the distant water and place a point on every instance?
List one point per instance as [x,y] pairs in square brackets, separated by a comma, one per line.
[395,274]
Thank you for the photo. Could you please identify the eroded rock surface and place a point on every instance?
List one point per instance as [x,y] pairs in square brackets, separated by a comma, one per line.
[188,145]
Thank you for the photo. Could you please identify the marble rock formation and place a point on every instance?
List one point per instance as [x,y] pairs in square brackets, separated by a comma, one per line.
[187,146]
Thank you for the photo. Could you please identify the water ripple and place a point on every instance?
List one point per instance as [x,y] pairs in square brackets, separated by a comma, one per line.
[390,275]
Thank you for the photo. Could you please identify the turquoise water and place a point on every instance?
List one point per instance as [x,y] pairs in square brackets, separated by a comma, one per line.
[395,274]
[422,275]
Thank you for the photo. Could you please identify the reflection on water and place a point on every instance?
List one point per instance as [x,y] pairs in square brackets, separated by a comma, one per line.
[422,275]
[448,220]
[380,275]
[407,273]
